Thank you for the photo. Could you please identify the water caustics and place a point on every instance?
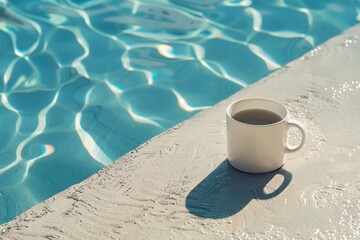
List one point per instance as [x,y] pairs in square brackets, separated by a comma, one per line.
[84,82]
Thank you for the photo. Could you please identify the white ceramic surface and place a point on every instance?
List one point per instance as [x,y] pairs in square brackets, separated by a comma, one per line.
[259,148]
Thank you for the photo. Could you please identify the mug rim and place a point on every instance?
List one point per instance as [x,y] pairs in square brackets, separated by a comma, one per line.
[254,99]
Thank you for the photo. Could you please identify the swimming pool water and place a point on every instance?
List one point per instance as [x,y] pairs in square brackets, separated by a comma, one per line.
[83,82]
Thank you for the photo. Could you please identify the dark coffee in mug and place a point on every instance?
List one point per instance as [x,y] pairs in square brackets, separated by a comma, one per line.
[257,117]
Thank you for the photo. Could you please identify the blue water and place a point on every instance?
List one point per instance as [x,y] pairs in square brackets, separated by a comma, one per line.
[83,82]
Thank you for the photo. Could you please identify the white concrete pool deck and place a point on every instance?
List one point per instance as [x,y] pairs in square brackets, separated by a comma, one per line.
[180,186]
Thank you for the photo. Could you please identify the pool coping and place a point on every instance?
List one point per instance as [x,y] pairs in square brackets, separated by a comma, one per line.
[145,192]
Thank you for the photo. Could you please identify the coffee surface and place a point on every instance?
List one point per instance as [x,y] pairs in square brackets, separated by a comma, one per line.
[257,117]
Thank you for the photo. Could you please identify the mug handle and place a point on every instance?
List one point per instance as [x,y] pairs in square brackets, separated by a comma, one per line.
[295,124]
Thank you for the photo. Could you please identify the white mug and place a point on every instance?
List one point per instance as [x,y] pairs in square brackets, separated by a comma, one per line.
[259,148]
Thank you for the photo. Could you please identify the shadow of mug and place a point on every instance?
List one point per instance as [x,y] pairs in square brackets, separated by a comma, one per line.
[226,191]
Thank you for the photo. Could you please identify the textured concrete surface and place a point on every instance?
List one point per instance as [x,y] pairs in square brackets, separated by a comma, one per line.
[180,186]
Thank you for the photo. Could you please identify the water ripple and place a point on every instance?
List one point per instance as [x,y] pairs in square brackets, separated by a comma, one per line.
[84,82]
